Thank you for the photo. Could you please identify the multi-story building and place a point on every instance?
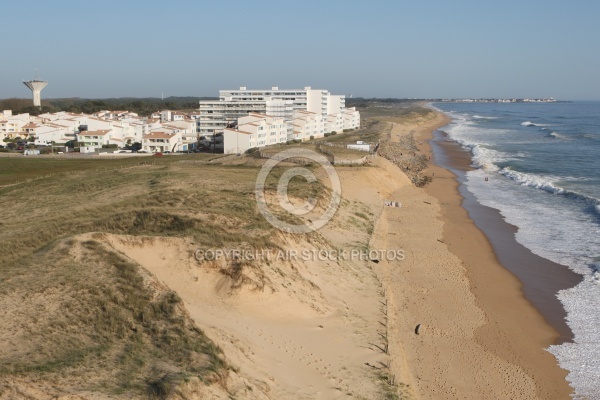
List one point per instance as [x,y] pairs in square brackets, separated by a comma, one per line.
[351,118]
[254,130]
[232,104]
[307,125]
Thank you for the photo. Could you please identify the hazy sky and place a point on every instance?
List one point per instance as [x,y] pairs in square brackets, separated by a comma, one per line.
[371,48]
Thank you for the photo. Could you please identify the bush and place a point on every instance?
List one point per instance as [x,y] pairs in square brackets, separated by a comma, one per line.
[4,151]
[252,150]
[110,146]
[327,134]
[334,133]
[297,141]
[312,137]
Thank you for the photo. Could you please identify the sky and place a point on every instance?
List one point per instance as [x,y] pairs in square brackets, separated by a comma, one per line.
[395,48]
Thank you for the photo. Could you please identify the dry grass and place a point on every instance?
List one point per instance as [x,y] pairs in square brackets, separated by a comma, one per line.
[82,317]
[79,317]
[85,318]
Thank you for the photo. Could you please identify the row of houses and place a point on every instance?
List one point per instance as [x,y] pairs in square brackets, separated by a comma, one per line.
[259,130]
[245,119]
[162,131]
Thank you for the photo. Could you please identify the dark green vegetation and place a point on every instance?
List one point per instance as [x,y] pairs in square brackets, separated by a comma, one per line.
[142,106]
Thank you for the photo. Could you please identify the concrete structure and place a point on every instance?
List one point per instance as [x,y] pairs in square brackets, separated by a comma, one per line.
[36,87]
[351,118]
[232,104]
[307,125]
[254,130]
[334,123]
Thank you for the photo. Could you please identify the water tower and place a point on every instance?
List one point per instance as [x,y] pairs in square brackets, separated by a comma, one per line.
[36,87]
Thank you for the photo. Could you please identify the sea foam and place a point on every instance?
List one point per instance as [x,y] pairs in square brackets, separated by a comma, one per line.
[529,123]
[557,216]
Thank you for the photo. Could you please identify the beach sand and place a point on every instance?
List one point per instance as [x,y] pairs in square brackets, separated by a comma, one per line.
[324,329]
[479,338]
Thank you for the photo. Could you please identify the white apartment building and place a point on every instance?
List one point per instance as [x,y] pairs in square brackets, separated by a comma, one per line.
[232,104]
[335,123]
[351,118]
[254,130]
[307,125]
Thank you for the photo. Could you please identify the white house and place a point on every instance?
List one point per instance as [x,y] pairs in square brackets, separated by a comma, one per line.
[94,138]
[159,142]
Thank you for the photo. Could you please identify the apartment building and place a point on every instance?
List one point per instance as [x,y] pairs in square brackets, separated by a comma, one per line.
[307,125]
[254,130]
[233,104]
[351,118]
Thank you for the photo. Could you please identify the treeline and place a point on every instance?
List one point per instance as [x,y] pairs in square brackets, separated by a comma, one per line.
[141,106]
[360,102]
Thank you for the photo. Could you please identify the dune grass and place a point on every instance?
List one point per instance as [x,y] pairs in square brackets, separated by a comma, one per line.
[85,318]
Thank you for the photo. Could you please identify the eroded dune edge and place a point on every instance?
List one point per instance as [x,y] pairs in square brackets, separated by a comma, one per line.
[119,306]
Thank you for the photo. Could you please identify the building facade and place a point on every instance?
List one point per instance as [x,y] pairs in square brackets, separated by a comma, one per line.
[233,104]
[254,130]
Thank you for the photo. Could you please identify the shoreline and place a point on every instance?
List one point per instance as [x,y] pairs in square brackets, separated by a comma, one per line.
[499,349]
[541,279]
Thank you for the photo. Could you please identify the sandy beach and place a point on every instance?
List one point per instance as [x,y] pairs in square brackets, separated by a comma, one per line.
[479,337]
[349,328]
[446,321]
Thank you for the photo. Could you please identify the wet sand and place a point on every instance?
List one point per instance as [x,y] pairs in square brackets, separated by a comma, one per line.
[541,278]
[480,337]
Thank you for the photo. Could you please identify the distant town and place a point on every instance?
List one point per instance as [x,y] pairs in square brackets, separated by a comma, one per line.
[545,100]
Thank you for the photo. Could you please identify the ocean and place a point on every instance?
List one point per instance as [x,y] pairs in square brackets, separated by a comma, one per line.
[538,164]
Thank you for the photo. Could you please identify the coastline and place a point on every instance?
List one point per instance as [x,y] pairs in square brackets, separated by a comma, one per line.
[494,344]
[541,279]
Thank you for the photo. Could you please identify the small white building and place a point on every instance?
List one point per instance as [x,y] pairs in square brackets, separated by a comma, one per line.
[254,130]
[160,142]
[94,138]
